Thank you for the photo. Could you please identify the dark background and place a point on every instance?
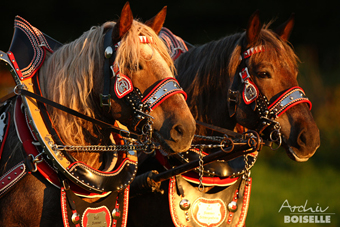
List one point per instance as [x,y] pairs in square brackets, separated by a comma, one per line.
[197,21]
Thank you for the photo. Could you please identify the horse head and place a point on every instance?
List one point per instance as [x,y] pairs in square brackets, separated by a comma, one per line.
[118,71]
[266,81]
[142,60]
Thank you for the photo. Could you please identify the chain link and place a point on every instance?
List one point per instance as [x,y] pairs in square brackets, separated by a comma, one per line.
[98,148]
[211,138]
[147,132]
[248,166]
[217,139]
[201,171]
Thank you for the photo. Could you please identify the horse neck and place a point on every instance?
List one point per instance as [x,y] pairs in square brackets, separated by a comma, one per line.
[204,74]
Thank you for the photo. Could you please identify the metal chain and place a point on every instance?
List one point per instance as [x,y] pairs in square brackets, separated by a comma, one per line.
[211,138]
[201,170]
[98,148]
[147,132]
[218,139]
[207,145]
[248,166]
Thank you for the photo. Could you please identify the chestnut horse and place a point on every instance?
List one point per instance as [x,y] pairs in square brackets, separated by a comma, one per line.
[73,76]
[273,71]
[232,81]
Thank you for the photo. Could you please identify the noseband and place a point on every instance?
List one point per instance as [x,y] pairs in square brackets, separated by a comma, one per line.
[267,111]
[141,104]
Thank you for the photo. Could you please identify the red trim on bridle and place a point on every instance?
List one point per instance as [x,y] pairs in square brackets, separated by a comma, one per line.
[253,50]
[288,99]
[163,90]
[250,90]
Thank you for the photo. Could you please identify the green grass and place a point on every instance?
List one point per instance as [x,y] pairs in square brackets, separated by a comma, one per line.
[276,178]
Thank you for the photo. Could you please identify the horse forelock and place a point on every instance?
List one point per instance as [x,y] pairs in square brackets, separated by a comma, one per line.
[128,53]
[277,51]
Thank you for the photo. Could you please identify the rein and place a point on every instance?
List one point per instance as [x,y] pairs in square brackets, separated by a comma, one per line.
[18,90]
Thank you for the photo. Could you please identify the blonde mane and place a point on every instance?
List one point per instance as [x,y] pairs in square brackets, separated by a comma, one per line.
[68,75]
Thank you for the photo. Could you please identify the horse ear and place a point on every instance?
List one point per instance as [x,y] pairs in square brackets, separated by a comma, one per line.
[124,23]
[286,28]
[156,23]
[253,29]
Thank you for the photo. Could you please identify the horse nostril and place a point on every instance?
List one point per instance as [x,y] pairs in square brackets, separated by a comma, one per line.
[177,132]
[302,139]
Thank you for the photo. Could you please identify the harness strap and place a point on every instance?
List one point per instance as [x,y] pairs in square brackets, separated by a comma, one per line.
[11,177]
[219,129]
[175,44]
[114,129]
[109,55]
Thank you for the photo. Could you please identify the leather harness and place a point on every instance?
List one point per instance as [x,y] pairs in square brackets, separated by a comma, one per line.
[42,144]
[185,200]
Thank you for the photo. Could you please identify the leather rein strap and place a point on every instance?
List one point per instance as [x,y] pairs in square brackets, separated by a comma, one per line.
[103,124]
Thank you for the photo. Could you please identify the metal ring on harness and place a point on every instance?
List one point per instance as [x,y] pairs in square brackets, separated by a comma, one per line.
[231,143]
[278,140]
[254,140]
[36,160]
[17,89]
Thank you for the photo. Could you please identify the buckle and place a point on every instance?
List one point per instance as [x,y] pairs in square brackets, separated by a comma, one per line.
[105,100]
[244,74]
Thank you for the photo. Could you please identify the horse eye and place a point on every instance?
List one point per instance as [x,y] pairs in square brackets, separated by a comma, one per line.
[263,75]
[135,67]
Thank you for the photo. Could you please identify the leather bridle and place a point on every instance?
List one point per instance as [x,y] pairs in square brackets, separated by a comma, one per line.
[141,104]
[267,111]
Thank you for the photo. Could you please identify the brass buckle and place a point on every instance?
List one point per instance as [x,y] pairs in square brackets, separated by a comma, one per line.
[104,98]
